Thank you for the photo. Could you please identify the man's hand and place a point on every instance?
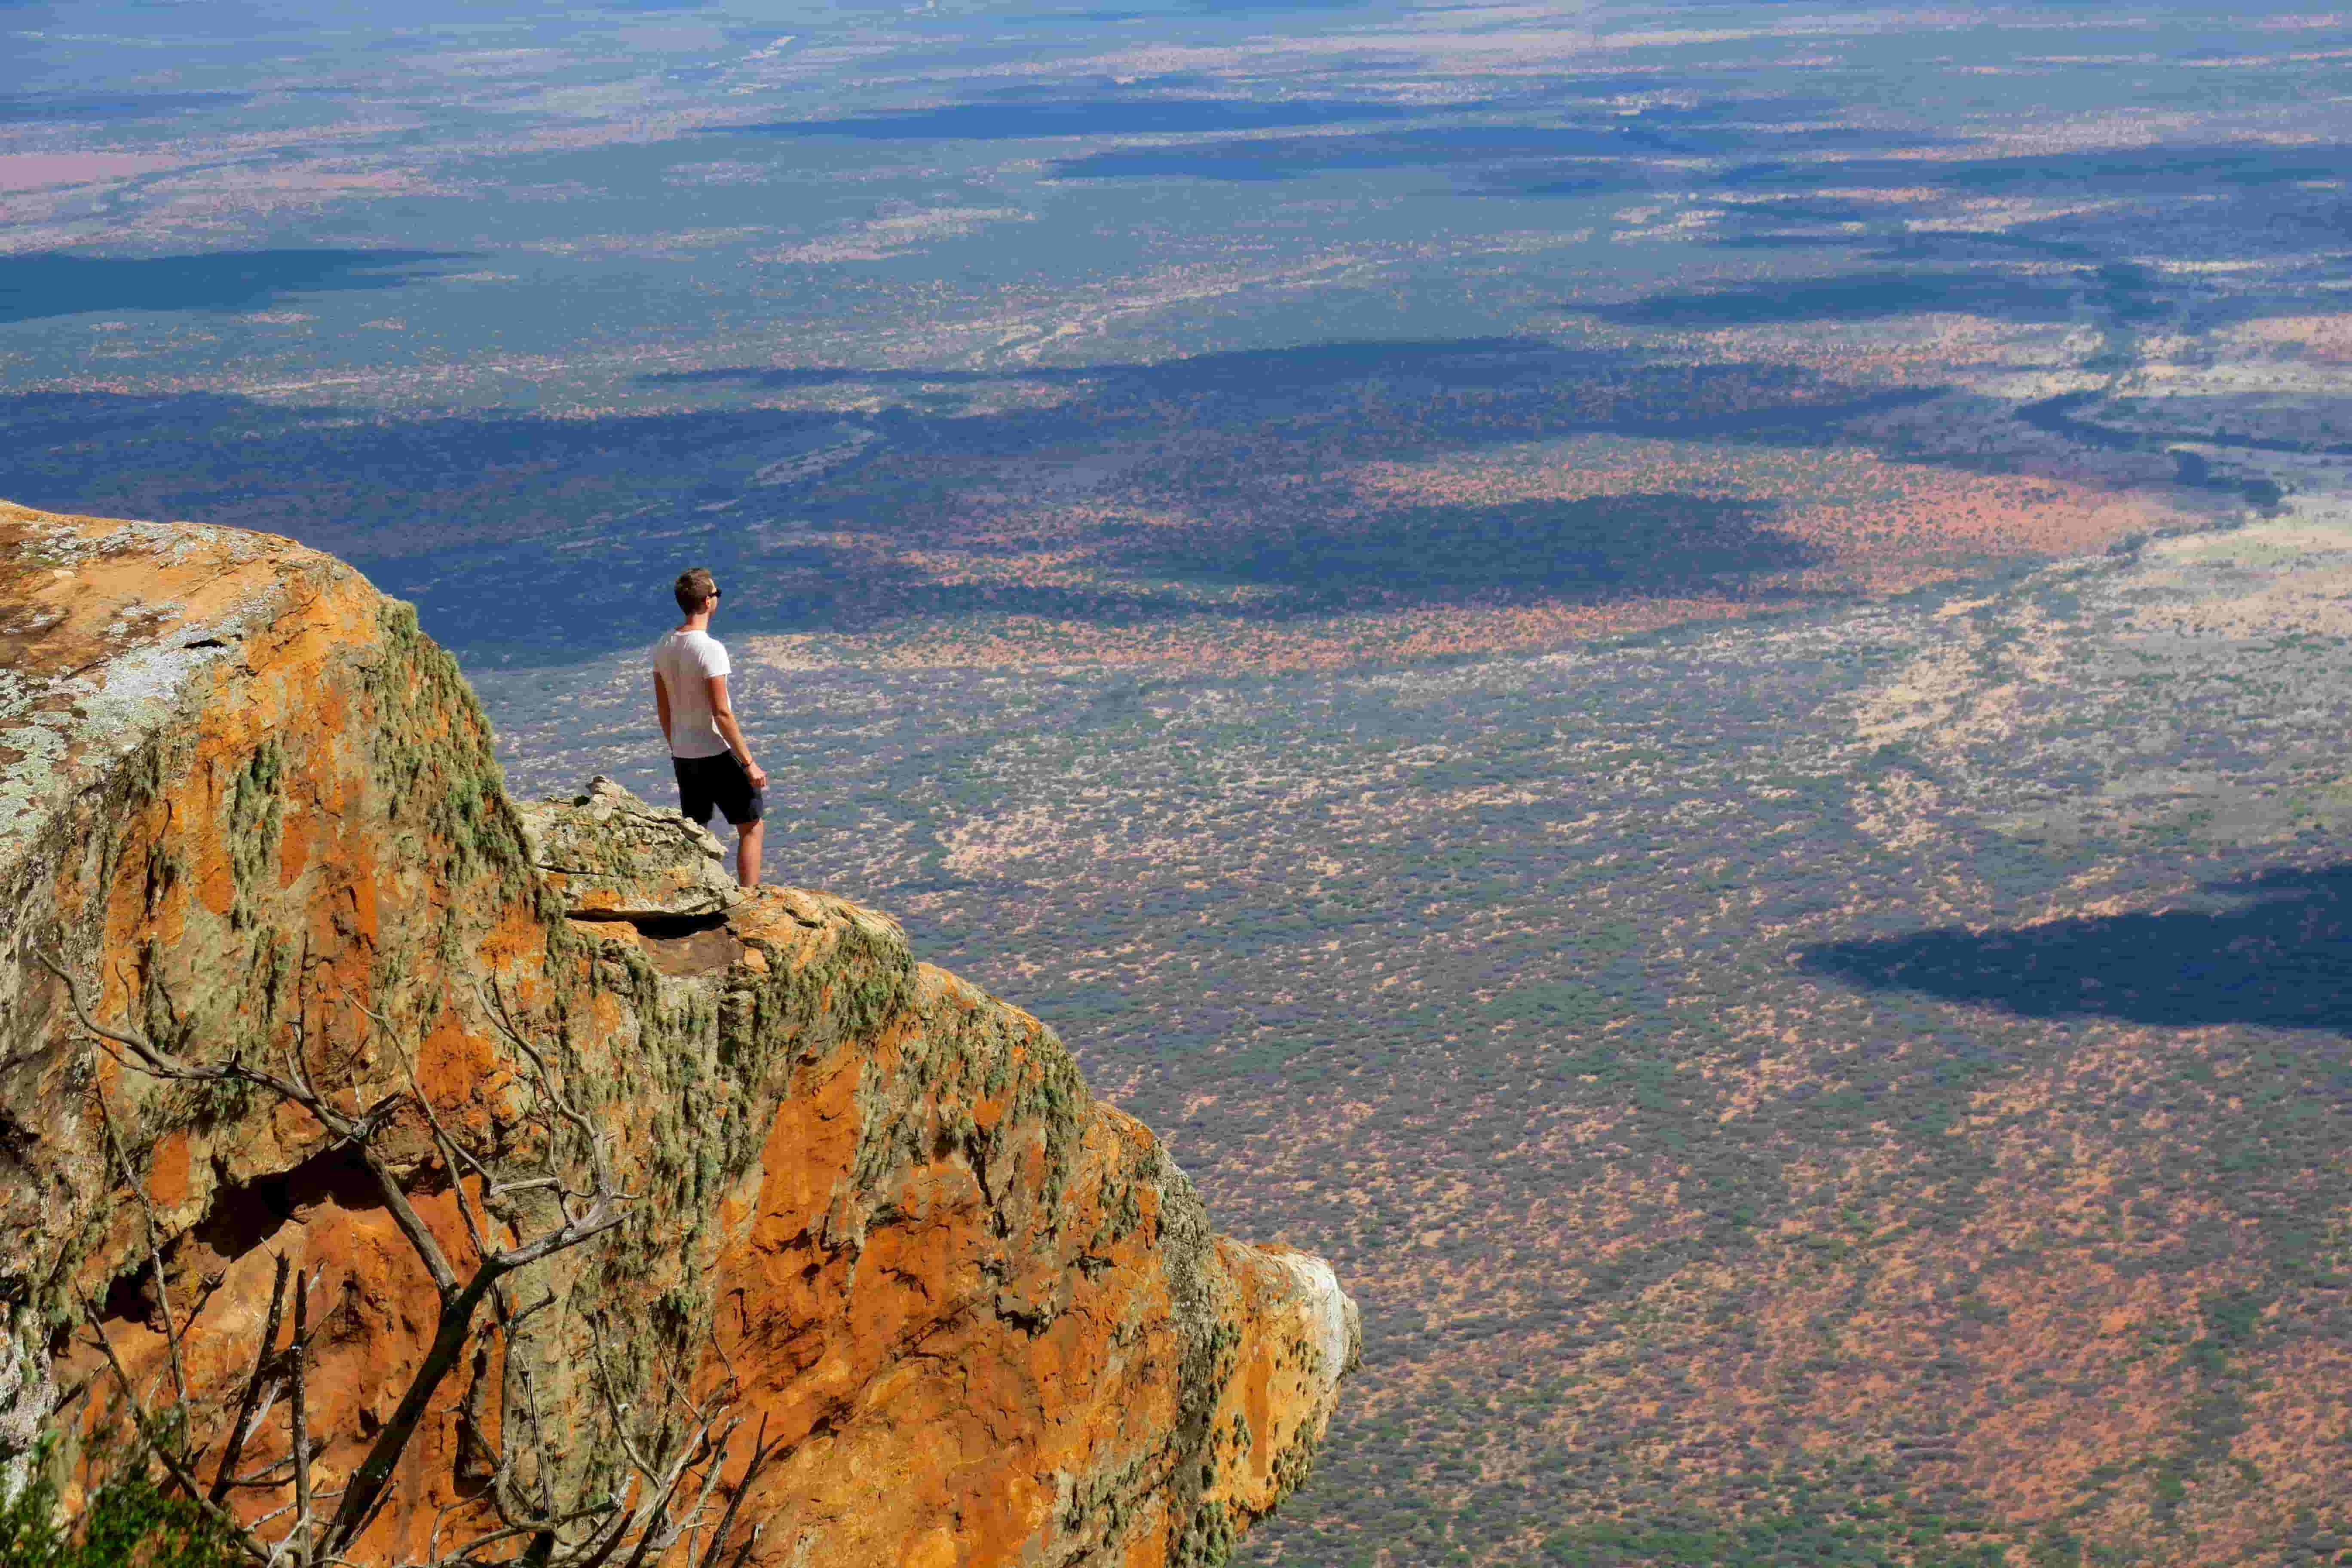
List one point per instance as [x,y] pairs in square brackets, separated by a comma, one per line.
[757,774]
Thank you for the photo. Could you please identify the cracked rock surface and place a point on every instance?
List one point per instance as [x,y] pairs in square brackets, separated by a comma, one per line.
[606,853]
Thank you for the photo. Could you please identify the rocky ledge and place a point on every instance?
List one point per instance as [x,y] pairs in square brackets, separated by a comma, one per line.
[871,1212]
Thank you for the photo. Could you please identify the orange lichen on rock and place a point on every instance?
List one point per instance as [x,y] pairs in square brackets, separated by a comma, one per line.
[875,1212]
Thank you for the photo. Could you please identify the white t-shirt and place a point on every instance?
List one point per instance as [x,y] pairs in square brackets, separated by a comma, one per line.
[685,661]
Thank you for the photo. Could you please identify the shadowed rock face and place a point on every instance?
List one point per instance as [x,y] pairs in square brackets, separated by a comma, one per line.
[874,1207]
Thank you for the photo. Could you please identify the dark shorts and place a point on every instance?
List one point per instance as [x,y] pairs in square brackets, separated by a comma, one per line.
[719,783]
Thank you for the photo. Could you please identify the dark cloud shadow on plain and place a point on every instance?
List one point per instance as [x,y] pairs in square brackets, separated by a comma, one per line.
[1258,7]
[1776,211]
[1528,388]
[1884,232]
[1858,297]
[2053,269]
[1610,151]
[2260,198]
[547,606]
[1613,393]
[1177,8]
[54,283]
[1105,116]
[363,488]
[1950,244]
[1061,89]
[2275,951]
[1451,361]
[1288,158]
[2007,277]
[1647,397]
[2122,171]
[555,608]
[41,108]
[1601,548]
[2115,293]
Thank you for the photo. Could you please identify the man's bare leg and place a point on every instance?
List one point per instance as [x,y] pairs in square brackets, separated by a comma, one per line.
[747,853]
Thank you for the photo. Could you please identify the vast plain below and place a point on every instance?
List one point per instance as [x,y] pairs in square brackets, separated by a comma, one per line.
[1865,1079]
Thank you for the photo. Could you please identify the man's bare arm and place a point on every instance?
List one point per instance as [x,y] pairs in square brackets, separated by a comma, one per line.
[722,713]
[661,705]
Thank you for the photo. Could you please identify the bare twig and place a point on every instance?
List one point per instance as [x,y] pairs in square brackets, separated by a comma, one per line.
[762,1452]
[179,1472]
[602,1211]
[516,1532]
[454,1153]
[677,1458]
[592,1142]
[614,1408]
[247,1406]
[155,1249]
[159,1063]
[538,1440]
[299,1419]
[355,1131]
[751,1544]
[271,1477]
[703,1443]
[595,1552]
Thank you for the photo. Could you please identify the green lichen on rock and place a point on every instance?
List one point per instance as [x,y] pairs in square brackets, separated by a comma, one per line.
[1294,1463]
[691,1090]
[949,1054]
[435,757]
[1122,1201]
[1100,1504]
[1202,1531]
[253,814]
[1207,1539]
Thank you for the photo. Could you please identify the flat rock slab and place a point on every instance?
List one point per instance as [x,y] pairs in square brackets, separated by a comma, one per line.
[611,856]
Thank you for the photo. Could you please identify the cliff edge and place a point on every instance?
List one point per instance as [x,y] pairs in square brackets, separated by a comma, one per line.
[873,1211]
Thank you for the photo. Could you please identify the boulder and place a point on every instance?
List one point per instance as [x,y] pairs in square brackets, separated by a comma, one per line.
[610,856]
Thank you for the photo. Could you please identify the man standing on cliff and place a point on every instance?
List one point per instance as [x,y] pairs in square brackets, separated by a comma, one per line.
[707,748]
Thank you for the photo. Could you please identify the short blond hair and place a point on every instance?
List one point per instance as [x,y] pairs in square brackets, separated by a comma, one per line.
[696,587]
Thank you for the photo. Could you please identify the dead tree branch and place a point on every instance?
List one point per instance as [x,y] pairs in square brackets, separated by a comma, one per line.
[249,1405]
[298,1420]
[157,1443]
[154,1248]
[666,1501]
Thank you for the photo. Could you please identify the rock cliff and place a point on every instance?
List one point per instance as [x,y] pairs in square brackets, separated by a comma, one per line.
[982,1318]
